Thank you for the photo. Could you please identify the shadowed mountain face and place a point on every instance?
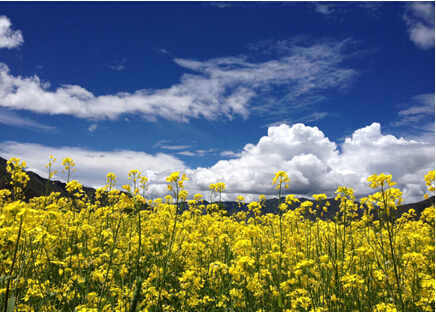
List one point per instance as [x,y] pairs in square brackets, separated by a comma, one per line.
[37,187]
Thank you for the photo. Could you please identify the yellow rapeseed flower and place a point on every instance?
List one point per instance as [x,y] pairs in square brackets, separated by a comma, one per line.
[281,177]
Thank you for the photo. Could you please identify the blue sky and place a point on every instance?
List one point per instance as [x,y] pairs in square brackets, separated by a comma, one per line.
[330,92]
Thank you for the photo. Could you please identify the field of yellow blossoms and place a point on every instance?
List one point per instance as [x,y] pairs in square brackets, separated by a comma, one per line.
[106,253]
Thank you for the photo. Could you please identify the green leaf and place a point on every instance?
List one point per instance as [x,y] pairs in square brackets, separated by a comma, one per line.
[11,304]
[136,294]
[280,301]
[4,278]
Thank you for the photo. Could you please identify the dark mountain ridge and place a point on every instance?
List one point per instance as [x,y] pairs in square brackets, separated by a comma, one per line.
[37,185]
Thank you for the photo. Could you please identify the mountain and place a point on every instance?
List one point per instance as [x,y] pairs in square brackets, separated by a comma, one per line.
[272,204]
[37,184]
[36,187]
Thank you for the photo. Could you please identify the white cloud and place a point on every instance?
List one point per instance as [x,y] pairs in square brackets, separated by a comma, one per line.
[419,116]
[306,119]
[283,149]
[93,166]
[420,19]
[161,51]
[222,87]
[315,165]
[228,154]
[325,9]
[425,106]
[313,162]
[204,152]
[220,4]
[119,66]
[369,152]
[11,119]
[161,142]
[9,38]
[372,7]
[186,153]
[338,10]
[92,127]
[174,147]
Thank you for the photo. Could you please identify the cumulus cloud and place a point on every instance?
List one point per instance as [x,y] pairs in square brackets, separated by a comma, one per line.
[220,88]
[228,154]
[9,38]
[284,148]
[315,164]
[368,152]
[420,19]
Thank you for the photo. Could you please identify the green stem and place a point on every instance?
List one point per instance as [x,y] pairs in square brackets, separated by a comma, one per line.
[173,234]
[110,261]
[139,242]
[13,263]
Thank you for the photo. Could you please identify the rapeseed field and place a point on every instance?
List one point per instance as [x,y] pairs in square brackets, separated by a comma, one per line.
[118,251]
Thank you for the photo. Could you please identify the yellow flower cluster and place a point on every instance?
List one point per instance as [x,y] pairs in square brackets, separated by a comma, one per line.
[68,164]
[113,254]
[429,181]
[19,178]
[280,178]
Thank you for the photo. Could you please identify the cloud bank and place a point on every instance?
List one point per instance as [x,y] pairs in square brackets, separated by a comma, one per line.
[218,88]
[93,166]
[313,162]
[315,165]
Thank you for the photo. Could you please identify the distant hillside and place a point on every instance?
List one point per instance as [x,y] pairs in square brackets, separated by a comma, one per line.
[36,187]
[272,204]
